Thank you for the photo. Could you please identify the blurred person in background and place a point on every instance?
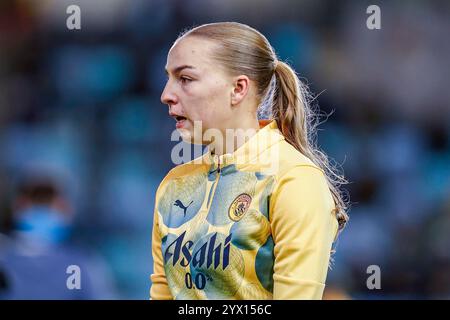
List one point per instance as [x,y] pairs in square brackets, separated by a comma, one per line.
[34,261]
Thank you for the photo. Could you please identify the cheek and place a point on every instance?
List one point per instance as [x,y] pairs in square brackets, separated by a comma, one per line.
[210,104]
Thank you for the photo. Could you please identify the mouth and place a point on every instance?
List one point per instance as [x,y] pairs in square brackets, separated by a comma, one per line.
[180,120]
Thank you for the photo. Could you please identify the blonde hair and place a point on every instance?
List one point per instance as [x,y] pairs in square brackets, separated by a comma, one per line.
[281,94]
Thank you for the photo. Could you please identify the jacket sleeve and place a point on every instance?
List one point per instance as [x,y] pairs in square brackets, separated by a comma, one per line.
[303,229]
[159,288]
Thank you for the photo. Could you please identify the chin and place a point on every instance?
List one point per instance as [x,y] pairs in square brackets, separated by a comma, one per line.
[184,134]
[188,137]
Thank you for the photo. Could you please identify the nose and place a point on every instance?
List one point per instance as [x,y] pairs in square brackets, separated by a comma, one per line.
[167,96]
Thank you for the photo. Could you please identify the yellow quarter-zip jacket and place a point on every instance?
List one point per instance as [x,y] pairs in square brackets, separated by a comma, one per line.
[254,224]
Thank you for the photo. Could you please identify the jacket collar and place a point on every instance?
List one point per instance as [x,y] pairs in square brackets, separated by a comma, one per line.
[265,137]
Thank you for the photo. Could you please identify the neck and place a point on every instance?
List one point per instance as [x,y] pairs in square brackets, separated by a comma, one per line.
[234,137]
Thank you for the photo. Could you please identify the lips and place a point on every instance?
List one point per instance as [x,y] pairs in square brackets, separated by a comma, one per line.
[179,119]
[180,123]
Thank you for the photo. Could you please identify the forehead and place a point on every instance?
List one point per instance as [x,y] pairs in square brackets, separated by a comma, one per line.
[191,51]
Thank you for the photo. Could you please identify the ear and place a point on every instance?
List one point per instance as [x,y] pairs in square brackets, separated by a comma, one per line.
[241,86]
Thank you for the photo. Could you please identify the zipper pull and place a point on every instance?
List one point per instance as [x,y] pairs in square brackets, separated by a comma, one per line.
[217,157]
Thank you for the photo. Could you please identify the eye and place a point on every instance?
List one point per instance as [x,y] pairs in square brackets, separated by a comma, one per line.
[185,80]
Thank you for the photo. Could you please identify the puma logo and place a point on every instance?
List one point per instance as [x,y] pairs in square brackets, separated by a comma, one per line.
[180,204]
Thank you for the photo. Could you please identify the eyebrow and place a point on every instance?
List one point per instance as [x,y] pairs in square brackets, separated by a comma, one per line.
[180,68]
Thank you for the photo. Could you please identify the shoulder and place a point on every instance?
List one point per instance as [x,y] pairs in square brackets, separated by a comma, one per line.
[285,160]
[300,177]
[301,191]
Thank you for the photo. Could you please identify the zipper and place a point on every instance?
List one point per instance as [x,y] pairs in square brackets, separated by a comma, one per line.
[215,183]
[218,165]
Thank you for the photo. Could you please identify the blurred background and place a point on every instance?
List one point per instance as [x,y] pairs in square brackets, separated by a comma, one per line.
[85,141]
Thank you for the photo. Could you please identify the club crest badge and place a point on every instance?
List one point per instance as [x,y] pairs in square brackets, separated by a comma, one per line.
[239,206]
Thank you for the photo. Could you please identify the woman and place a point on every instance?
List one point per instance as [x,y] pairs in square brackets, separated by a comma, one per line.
[254,217]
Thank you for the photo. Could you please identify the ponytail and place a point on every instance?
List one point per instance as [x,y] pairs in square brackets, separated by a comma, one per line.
[297,122]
